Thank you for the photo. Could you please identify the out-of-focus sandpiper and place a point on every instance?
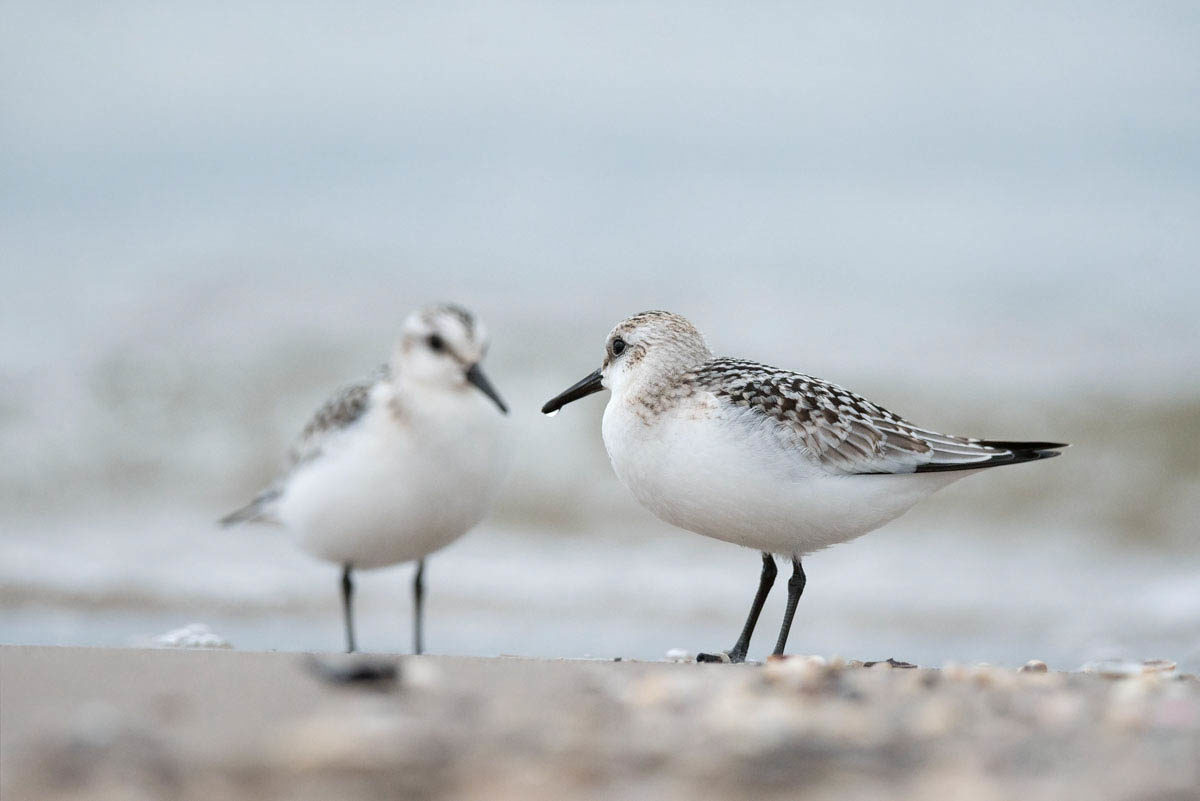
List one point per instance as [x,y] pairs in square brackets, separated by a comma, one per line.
[394,468]
[766,458]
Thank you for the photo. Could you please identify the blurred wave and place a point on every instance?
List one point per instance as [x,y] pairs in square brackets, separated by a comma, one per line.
[192,401]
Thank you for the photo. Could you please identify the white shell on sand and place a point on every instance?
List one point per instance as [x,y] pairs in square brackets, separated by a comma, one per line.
[193,635]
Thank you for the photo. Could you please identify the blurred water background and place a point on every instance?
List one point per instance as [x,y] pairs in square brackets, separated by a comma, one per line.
[984,218]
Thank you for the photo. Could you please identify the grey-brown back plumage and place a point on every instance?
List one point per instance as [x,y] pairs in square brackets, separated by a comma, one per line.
[846,433]
[342,410]
[345,408]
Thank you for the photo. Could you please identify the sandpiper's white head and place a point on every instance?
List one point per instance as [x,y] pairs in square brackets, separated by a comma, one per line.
[442,346]
[649,348]
[641,351]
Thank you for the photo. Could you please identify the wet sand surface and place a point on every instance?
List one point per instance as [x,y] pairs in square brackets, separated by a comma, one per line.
[216,724]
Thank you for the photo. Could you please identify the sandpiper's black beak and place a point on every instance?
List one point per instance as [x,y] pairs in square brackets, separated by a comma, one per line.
[476,377]
[581,389]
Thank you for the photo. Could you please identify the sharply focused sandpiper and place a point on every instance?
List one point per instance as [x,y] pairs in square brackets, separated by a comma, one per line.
[394,468]
[766,458]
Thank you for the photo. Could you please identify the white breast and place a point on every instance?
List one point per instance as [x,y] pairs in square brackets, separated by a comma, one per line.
[722,472]
[396,487]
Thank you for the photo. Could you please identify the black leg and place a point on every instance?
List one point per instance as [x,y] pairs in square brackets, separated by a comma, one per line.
[765,580]
[347,596]
[795,587]
[418,606]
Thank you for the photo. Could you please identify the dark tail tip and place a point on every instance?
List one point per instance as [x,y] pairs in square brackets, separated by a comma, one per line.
[1027,451]
[240,516]
[255,510]
[246,513]
[1018,452]
[1017,447]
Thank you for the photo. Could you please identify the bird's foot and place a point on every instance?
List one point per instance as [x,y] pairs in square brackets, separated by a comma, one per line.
[727,657]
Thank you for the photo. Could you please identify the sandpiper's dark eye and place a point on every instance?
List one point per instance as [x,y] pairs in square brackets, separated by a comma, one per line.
[618,347]
[436,343]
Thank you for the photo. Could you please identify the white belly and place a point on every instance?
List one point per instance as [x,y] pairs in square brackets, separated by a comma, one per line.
[714,471]
[394,491]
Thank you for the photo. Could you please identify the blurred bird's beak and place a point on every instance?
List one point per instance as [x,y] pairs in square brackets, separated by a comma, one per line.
[593,383]
[475,376]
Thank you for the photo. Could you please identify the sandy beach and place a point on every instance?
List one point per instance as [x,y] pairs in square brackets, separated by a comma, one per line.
[214,724]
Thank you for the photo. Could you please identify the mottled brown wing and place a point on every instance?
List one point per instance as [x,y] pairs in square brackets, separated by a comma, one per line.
[841,431]
[338,413]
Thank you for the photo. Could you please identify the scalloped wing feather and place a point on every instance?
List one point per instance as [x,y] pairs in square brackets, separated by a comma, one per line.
[839,430]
